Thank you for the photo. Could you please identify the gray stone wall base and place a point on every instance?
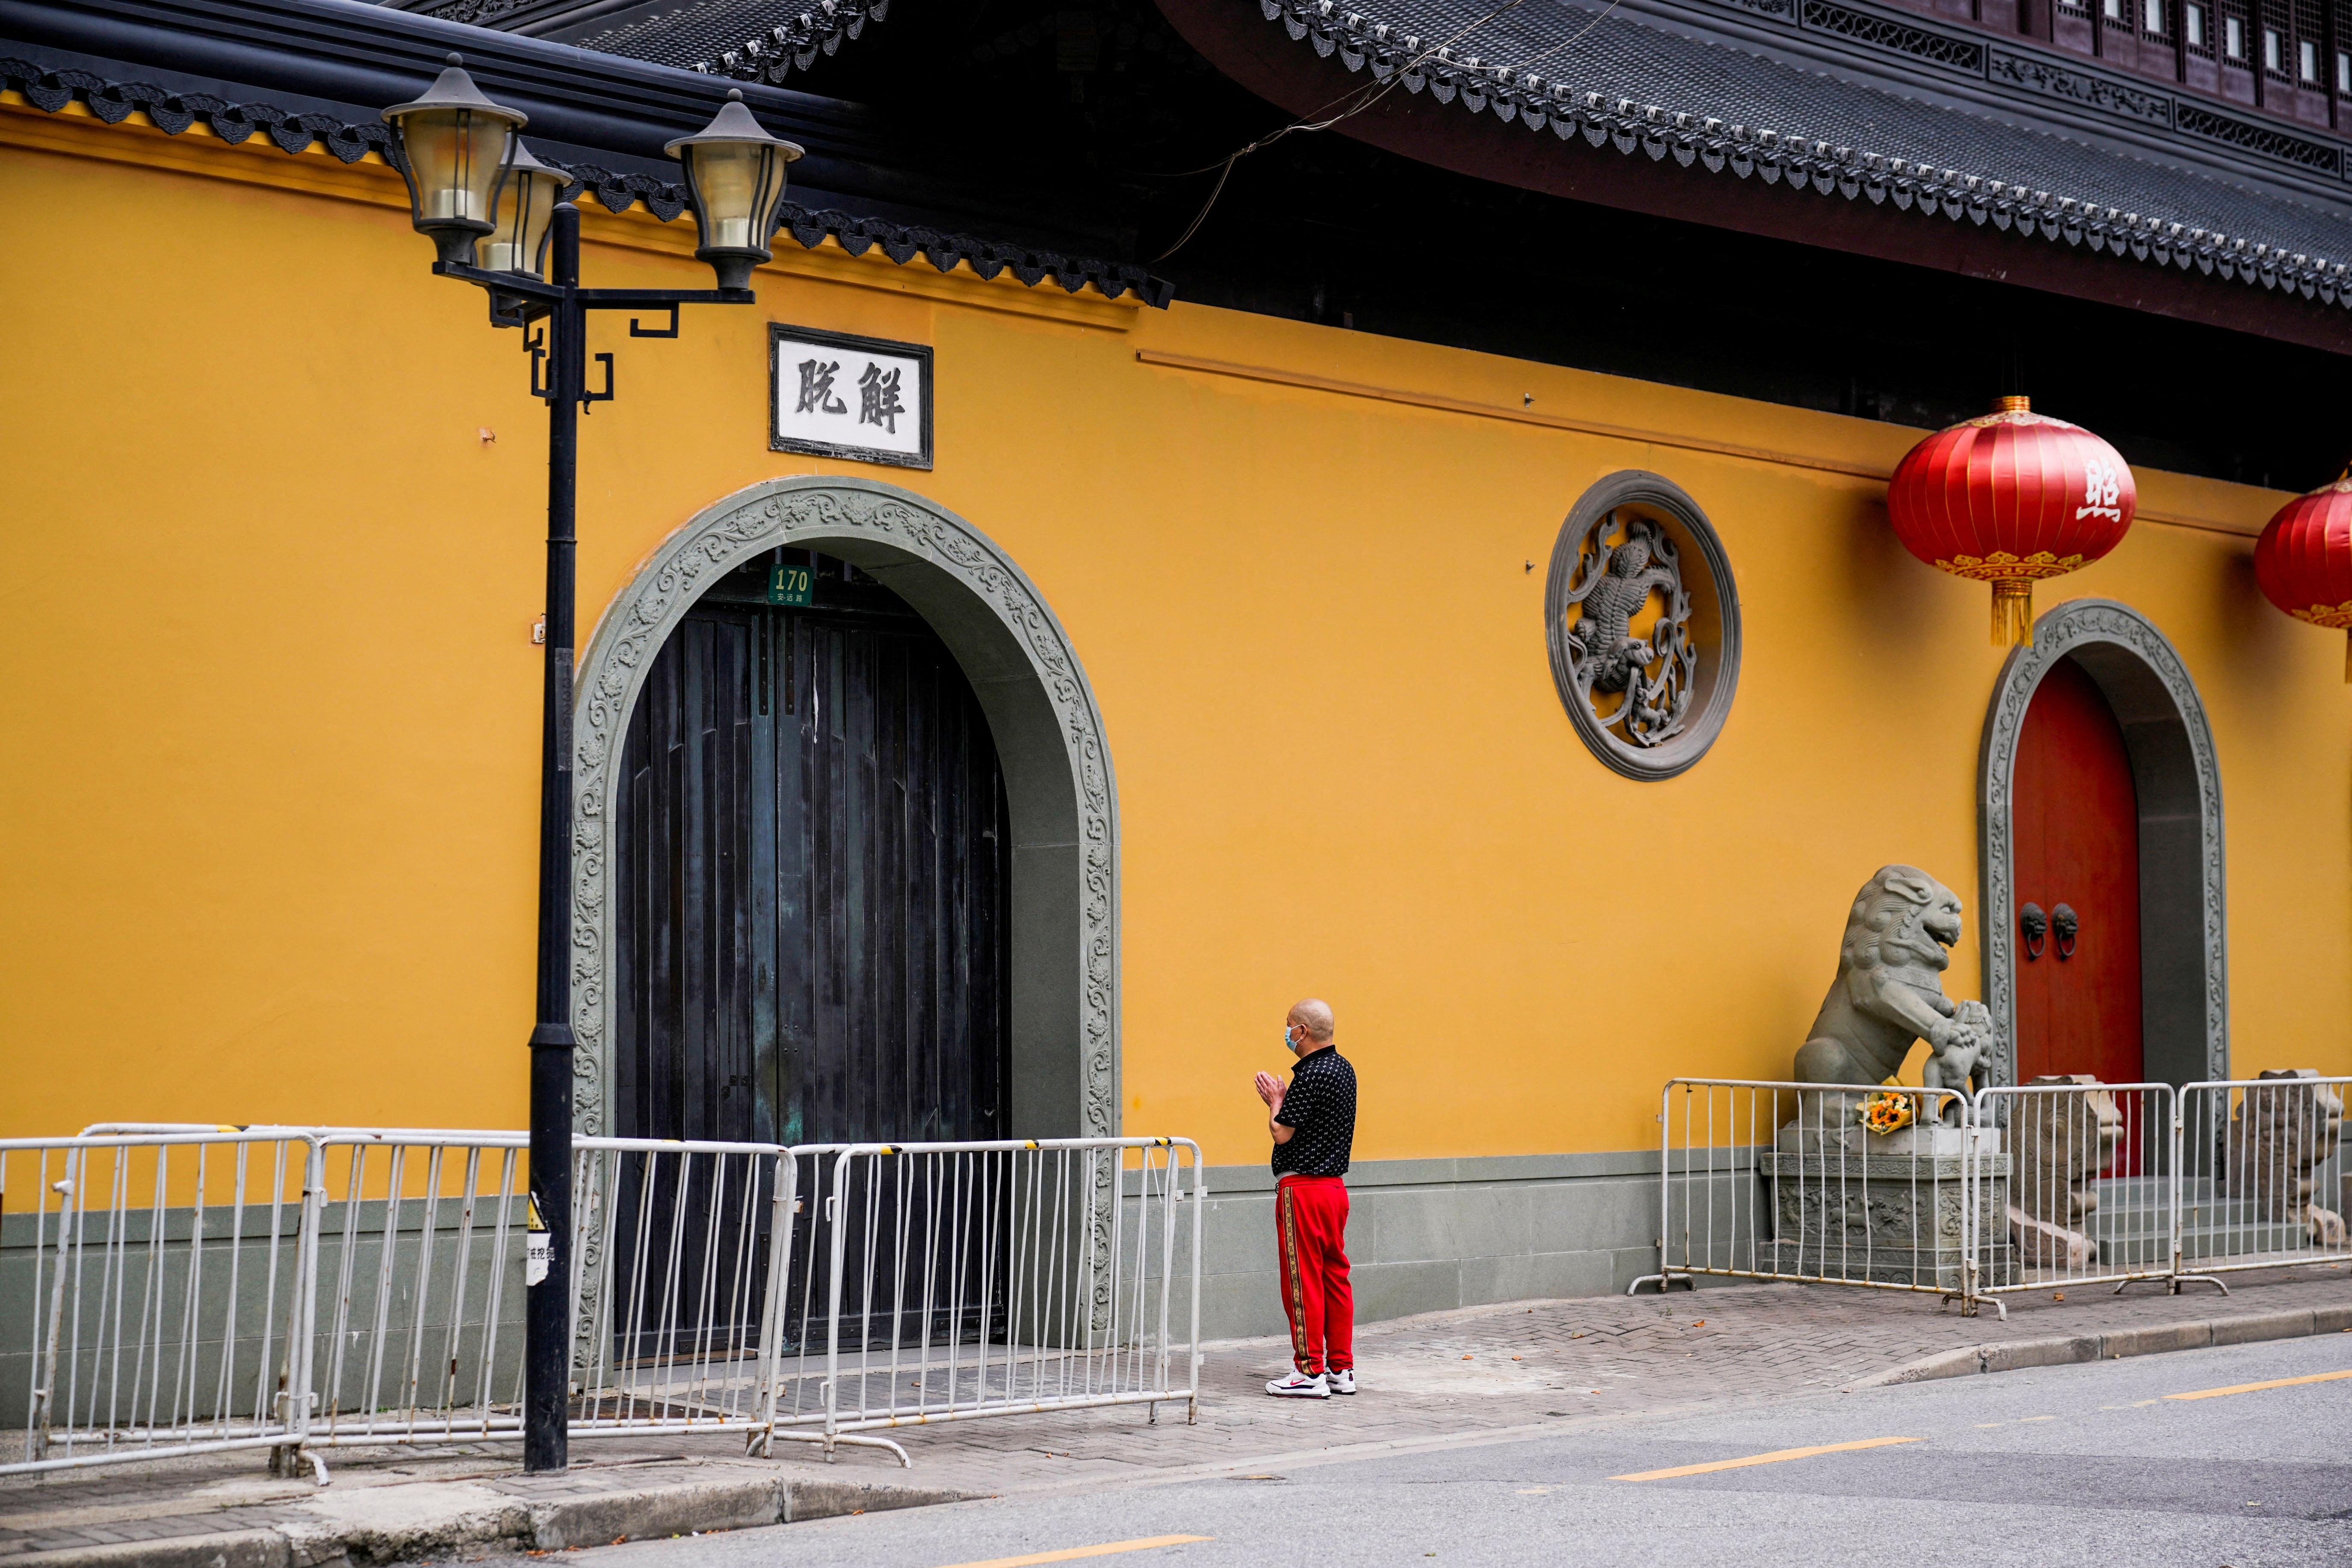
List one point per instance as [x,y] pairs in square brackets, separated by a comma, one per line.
[1427,1235]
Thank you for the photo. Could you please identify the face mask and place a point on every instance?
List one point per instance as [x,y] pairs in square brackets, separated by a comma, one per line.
[1285,1041]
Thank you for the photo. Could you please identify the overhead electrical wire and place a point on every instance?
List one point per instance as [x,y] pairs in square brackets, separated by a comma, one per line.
[1366,95]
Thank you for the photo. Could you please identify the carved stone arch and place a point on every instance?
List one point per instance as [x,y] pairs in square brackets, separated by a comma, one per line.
[1041,713]
[2184,954]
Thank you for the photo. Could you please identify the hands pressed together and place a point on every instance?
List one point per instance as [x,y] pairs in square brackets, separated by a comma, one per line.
[1271,1090]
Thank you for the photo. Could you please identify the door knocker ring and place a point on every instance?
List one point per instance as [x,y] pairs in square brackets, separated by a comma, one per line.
[2064,926]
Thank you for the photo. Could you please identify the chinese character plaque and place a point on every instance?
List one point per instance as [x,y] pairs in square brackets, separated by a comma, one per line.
[832,396]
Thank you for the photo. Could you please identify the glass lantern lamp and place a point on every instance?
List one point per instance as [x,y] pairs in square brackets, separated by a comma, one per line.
[453,145]
[525,208]
[735,178]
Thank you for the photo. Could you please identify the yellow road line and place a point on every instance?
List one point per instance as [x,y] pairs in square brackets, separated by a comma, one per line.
[1774,1458]
[2251,1387]
[1073,1552]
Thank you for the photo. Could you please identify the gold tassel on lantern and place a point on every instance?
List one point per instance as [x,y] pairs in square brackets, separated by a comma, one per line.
[2012,613]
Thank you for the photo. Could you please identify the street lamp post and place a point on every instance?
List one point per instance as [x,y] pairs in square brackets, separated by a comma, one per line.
[494,213]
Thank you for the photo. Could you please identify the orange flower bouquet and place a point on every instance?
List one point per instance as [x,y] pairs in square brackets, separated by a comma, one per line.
[1886,1113]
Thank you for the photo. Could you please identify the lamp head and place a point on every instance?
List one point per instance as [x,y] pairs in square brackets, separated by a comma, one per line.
[524,212]
[453,146]
[735,179]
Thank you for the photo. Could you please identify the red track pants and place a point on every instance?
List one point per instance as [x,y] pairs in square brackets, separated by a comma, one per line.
[1310,1218]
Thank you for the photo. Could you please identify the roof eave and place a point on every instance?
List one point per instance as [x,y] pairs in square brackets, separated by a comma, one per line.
[1657,169]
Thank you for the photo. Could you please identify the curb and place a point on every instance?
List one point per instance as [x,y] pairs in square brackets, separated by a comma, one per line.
[503,1522]
[2067,1350]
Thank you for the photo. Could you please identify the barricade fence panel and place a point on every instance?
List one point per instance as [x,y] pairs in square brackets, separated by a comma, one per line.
[679,1255]
[1766,1180]
[153,1287]
[418,1336]
[2263,1177]
[168,1289]
[2088,1191]
[991,1279]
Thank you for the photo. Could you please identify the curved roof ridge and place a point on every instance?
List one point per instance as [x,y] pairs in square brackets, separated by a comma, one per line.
[748,40]
[1435,54]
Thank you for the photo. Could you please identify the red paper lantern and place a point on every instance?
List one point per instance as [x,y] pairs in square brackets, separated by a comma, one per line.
[2304,559]
[2009,500]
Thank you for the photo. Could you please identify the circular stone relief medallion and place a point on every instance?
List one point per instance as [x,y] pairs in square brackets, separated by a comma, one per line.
[1644,623]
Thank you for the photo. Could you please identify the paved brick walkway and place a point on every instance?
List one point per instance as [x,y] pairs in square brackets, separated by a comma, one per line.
[1479,1373]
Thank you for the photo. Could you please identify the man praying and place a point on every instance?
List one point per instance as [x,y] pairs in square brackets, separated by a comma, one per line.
[1313,1123]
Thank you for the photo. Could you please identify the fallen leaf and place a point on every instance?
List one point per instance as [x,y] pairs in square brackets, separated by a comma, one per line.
[2059,1295]
[1465,1358]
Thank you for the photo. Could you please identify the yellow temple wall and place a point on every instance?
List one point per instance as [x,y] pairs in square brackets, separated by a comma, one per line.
[273,549]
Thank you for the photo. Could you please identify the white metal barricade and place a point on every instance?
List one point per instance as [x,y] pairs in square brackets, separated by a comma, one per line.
[418,1332]
[1763,1180]
[674,1245]
[679,1255]
[187,1290]
[155,1285]
[2263,1179]
[997,1279]
[2085,1195]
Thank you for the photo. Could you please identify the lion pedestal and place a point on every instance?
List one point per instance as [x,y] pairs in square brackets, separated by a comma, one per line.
[1851,1204]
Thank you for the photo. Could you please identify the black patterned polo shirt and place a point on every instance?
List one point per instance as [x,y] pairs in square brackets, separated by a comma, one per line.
[1320,1106]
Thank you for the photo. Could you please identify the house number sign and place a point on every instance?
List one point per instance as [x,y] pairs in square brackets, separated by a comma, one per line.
[832,396]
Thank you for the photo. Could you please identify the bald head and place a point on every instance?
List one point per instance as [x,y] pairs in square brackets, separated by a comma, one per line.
[1313,1019]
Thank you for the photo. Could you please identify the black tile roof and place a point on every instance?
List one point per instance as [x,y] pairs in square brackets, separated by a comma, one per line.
[174,112]
[1595,79]
[750,40]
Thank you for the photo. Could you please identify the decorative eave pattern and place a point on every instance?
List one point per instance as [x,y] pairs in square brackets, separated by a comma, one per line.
[748,40]
[1800,164]
[172,112]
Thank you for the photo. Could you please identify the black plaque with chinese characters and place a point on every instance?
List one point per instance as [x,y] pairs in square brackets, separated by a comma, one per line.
[833,395]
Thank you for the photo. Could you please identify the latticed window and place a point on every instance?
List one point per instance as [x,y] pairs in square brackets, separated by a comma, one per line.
[2341,70]
[2233,30]
[2310,37]
[2195,29]
[2275,25]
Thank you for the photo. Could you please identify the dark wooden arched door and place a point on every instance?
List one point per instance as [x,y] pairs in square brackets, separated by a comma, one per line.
[2077,845]
[811,868]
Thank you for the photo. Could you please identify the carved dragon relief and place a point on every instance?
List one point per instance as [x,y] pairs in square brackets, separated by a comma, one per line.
[810,511]
[1642,624]
[1654,676]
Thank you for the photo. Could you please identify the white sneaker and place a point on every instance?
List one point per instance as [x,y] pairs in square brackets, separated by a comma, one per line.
[1341,1381]
[1297,1385]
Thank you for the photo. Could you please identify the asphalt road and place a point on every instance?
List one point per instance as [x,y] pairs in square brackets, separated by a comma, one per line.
[2105,1464]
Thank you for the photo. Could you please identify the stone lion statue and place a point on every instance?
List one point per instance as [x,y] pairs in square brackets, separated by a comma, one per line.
[1889,992]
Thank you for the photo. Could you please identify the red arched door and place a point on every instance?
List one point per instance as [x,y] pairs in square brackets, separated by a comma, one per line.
[2077,844]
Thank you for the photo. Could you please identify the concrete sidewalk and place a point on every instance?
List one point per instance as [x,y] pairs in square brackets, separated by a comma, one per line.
[1473,1375]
